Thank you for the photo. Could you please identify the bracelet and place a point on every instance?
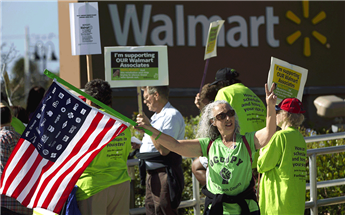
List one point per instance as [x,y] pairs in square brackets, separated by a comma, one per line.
[158,135]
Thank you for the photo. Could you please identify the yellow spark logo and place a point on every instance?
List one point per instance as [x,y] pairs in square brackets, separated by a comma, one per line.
[318,18]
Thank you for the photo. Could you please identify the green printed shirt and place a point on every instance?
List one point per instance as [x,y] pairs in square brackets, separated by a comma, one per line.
[229,170]
[108,168]
[283,183]
[250,109]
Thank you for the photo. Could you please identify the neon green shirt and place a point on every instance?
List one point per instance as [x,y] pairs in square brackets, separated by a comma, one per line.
[108,168]
[283,183]
[249,108]
[229,170]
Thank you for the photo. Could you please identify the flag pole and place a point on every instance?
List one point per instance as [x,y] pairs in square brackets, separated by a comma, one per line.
[89,67]
[107,108]
[204,76]
[140,101]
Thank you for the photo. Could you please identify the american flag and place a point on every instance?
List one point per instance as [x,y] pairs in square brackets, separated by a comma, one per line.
[60,141]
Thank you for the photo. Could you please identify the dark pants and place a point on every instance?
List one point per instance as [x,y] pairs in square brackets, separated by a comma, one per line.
[5,211]
[157,193]
[251,213]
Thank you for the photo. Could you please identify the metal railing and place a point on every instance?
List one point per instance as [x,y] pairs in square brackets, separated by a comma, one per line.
[313,204]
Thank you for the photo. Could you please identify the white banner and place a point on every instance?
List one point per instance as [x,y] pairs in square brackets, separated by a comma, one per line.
[84,24]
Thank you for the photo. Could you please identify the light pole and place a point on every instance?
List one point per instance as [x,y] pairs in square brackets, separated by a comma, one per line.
[41,52]
[42,49]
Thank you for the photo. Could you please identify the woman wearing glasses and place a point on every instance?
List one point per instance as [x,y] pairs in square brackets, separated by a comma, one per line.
[230,173]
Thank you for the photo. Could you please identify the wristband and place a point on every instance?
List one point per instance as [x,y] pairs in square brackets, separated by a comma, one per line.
[158,135]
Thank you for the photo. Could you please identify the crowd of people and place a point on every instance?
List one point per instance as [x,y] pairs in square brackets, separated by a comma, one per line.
[237,136]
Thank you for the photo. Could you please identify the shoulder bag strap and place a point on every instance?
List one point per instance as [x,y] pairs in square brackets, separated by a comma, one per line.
[248,148]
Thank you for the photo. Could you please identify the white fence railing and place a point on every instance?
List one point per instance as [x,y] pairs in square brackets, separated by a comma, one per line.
[313,204]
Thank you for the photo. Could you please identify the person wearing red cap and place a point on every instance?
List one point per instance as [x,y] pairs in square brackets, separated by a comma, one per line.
[282,162]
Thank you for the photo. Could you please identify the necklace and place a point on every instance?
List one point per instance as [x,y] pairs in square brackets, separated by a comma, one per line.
[233,144]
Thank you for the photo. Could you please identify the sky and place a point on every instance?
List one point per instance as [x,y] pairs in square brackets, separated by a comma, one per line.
[41,18]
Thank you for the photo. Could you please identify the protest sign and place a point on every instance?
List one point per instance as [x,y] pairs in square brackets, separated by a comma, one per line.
[290,79]
[128,66]
[84,25]
[211,46]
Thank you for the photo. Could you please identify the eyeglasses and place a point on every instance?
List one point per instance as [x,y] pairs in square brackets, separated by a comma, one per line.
[223,115]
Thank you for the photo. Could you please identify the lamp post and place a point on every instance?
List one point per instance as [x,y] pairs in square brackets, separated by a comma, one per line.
[41,52]
[42,49]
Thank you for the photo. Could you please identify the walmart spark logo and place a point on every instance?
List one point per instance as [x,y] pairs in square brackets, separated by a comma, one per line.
[318,18]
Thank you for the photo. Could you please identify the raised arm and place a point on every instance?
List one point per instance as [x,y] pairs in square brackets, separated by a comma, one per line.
[263,136]
[187,148]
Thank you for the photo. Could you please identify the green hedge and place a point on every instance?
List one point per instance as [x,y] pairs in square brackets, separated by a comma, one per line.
[329,167]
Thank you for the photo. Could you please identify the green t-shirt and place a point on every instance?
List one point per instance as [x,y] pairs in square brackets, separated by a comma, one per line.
[283,183]
[229,170]
[18,126]
[108,168]
[249,108]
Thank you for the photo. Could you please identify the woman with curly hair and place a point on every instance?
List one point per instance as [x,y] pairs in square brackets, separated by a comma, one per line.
[230,183]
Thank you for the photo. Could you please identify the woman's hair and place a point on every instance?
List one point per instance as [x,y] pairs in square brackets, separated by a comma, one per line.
[5,115]
[20,113]
[206,129]
[208,92]
[293,119]
[100,90]
[35,96]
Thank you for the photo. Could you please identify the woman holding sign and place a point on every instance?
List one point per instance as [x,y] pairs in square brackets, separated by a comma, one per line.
[282,162]
[230,182]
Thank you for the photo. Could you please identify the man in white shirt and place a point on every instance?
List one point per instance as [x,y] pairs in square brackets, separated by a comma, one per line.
[163,167]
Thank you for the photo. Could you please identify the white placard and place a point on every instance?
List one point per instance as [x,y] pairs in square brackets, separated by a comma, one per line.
[211,42]
[290,79]
[133,66]
[84,24]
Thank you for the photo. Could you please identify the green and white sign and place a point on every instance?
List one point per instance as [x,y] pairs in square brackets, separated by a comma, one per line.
[136,66]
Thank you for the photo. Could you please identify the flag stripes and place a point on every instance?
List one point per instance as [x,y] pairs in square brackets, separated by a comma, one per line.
[38,182]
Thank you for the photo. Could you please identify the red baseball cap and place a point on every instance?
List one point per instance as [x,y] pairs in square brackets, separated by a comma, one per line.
[291,105]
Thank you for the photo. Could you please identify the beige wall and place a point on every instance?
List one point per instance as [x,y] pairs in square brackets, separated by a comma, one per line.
[69,65]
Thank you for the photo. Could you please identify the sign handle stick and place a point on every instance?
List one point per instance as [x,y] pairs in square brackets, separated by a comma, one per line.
[204,76]
[89,67]
[140,102]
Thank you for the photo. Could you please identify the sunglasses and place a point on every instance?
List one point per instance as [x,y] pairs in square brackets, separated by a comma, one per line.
[223,115]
